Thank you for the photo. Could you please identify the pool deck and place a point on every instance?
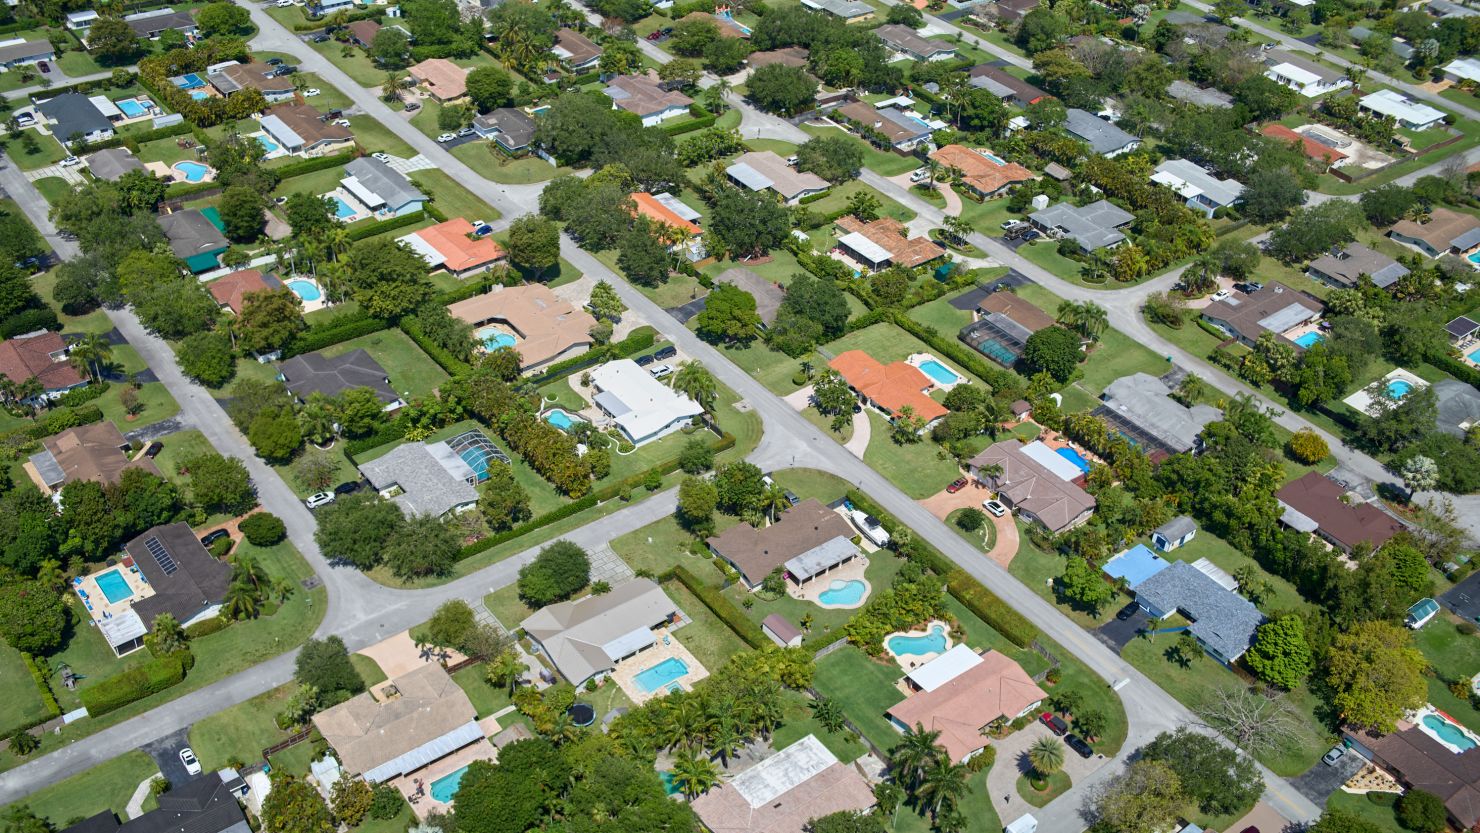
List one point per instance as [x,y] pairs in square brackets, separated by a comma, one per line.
[853,570]
[101,607]
[309,306]
[921,358]
[626,671]
[179,174]
[1362,401]
[424,804]
[910,662]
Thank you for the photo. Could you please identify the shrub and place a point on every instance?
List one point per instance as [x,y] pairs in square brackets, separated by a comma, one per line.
[263,529]
[386,802]
[136,683]
[1307,447]
[221,546]
[723,608]
[1422,811]
[556,574]
[206,627]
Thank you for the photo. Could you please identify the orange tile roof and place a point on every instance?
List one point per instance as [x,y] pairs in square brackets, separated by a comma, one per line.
[892,386]
[659,213]
[230,290]
[1313,149]
[445,79]
[459,253]
[889,234]
[998,687]
[980,172]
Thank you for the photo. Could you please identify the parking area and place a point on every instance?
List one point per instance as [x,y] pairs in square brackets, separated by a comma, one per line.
[1321,780]
[1117,633]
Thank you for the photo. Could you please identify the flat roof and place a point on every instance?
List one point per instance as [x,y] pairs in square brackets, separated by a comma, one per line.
[1051,460]
[1135,565]
[946,667]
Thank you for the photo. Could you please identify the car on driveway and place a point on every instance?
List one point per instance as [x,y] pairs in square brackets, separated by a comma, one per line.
[1077,743]
[466,131]
[661,370]
[995,507]
[43,66]
[319,38]
[791,497]
[212,537]
[920,175]
[447,137]
[957,485]
[347,488]
[277,62]
[1127,612]
[311,92]
[383,157]
[71,161]
[1336,754]
[664,353]
[187,757]
[1054,723]
[318,499]
[1220,295]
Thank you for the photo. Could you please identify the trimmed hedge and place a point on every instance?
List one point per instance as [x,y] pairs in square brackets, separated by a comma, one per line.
[1211,330]
[721,607]
[83,395]
[636,341]
[363,230]
[702,118]
[133,140]
[1456,368]
[43,688]
[450,363]
[336,330]
[207,627]
[389,433]
[317,163]
[998,378]
[135,684]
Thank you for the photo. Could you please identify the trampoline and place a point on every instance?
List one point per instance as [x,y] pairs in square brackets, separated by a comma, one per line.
[476,449]
[582,714]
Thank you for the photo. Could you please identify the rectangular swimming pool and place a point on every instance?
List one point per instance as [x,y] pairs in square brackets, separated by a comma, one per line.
[1309,340]
[1074,457]
[114,586]
[662,676]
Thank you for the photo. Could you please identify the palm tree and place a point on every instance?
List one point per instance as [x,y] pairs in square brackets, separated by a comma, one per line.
[889,796]
[697,383]
[1046,755]
[957,229]
[944,785]
[1093,320]
[1192,388]
[316,420]
[914,753]
[828,713]
[726,740]
[240,601]
[505,671]
[92,351]
[248,570]
[807,622]
[773,500]
[694,775]
[1070,314]
[685,722]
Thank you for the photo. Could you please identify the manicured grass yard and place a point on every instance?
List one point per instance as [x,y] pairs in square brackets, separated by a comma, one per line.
[1283,598]
[18,691]
[1454,656]
[453,199]
[178,448]
[865,688]
[490,161]
[885,162]
[53,188]
[373,136]
[1037,569]
[710,640]
[486,698]
[837,200]
[107,786]
[369,670]
[916,468]
[827,623]
[798,722]
[48,152]
[241,731]
[769,367]
[1381,815]
[412,373]
[1115,355]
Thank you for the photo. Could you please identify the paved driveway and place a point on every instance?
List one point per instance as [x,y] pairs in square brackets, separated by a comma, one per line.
[1320,781]
[1012,763]
[1117,633]
[166,754]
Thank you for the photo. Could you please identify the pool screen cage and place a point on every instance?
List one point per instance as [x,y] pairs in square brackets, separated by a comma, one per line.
[1145,440]
[478,443]
[994,341]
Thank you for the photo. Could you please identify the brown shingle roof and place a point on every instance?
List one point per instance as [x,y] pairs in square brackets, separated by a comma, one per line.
[756,552]
[1030,317]
[1319,499]
[643,95]
[1248,314]
[1442,231]
[1424,763]
[580,47]
[367,733]
[768,296]
[309,124]
[363,31]
[258,76]
[791,56]
[889,233]
[39,356]
[93,452]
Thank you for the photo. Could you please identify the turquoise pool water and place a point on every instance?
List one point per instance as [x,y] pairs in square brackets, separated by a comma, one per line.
[562,419]
[342,209]
[114,587]
[931,643]
[841,592]
[199,95]
[1474,257]
[1398,388]
[995,158]
[669,788]
[1074,457]
[444,788]
[493,338]
[193,171]
[131,107]
[307,290]
[663,675]
[1448,732]
[939,372]
[267,144]
[1310,340]
[1474,355]
[190,81]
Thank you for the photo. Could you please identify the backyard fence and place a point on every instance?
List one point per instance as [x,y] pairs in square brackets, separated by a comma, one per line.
[830,648]
[293,740]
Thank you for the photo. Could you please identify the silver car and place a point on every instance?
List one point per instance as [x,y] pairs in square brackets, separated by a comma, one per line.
[318,499]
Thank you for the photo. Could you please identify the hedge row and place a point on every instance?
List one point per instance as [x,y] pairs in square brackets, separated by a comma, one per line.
[998,378]
[1211,330]
[1456,368]
[972,594]
[55,422]
[317,163]
[702,118]
[21,25]
[636,341]
[135,684]
[723,608]
[384,435]
[364,230]
[133,140]
[43,688]
[206,627]
[81,396]
[314,25]
[341,328]
[439,354]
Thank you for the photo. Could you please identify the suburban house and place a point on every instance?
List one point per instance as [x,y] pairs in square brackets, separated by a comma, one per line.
[1462,69]
[1459,407]
[382,189]
[233,78]
[889,388]
[688,238]
[301,130]
[1401,109]
[576,50]
[230,291]
[1419,760]
[331,376]
[1275,309]
[96,452]
[1002,326]
[1031,488]
[1326,154]
[1094,226]
[768,296]
[110,164]
[1302,75]
[1446,231]
[781,794]
[188,582]
[1193,183]
[902,40]
[643,96]
[432,478]
[1174,533]
[81,21]
[984,174]
[509,128]
[152,24]
[762,170]
[71,116]
[204,804]
[1313,504]
[1102,137]
[1007,11]
[451,246]
[805,541]
[587,637]
[42,356]
[791,56]
[194,238]
[1344,267]
[546,327]
[362,32]
[1222,621]
[725,23]
[1141,407]
[444,80]
[424,715]
[848,11]
[643,408]
[1005,86]
[903,130]
[881,243]
[1443,9]
[1188,92]
[961,693]
[19,52]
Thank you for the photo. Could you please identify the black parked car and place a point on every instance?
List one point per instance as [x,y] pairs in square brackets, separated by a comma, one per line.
[207,540]
[1077,743]
[666,353]
[1127,612]
[274,62]
[348,488]
[153,450]
[644,361]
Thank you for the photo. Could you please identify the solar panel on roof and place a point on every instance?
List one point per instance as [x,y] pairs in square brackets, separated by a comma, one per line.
[161,556]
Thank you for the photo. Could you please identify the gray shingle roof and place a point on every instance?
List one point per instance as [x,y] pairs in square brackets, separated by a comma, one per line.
[26,50]
[1223,620]
[1346,265]
[1102,136]
[190,233]
[433,479]
[1145,402]
[1203,97]
[73,115]
[1177,527]
[387,183]
[316,373]
[1093,227]
[111,163]
[1459,405]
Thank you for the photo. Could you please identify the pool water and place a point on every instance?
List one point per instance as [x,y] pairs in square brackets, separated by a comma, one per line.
[307,290]
[1310,340]
[1398,388]
[343,210]
[939,372]
[190,81]
[669,788]
[1473,257]
[931,643]
[115,588]
[841,592]
[661,676]
[1074,457]
[477,460]
[267,144]
[995,158]
[131,107]
[444,788]
[199,95]
[1474,355]
[193,171]
[562,419]
[493,338]
[1448,732]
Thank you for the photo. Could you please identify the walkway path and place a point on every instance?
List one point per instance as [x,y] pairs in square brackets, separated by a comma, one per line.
[135,807]
[863,431]
[1012,763]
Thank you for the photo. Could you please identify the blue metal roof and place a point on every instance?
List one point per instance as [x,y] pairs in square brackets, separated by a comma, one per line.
[1135,565]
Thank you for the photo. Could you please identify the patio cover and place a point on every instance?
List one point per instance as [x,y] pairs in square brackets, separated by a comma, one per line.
[1296,520]
[828,554]
[1135,565]
[123,628]
[870,250]
[426,753]
[1051,460]
[280,129]
[363,194]
[749,177]
[628,643]
[946,667]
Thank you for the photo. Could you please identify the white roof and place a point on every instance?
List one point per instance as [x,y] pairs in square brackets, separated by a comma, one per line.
[122,628]
[1296,74]
[866,247]
[1191,180]
[82,16]
[1464,68]
[646,404]
[363,194]
[281,131]
[106,107]
[1050,459]
[1216,573]
[1023,824]
[783,772]
[828,554]
[677,206]
[1400,107]
[946,667]
[428,252]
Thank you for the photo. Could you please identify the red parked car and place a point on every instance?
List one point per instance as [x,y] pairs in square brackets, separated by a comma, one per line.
[1054,723]
[957,486]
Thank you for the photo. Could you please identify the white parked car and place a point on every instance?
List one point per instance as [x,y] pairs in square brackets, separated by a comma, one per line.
[283,4]
[920,175]
[70,161]
[870,527]
[383,157]
[342,122]
[661,370]
[792,161]
[447,137]
[187,757]
[318,499]
[311,92]
[995,507]
[1221,295]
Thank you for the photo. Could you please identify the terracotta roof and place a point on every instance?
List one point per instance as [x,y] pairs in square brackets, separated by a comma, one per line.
[93,452]
[39,356]
[1312,148]
[230,290]
[1319,499]
[1031,318]
[888,233]
[367,733]
[756,552]
[980,172]
[997,687]
[892,386]
[659,213]
[791,56]
[459,252]
[546,324]
[445,79]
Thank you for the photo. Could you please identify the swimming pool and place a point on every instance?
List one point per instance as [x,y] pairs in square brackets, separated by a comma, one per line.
[193,171]
[493,338]
[841,593]
[1473,257]
[131,107]
[1310,340]
[115,588]
[343,210]
[1474,355]
[1399,388]
[444,788]
[267,144]
[939,372]
[933,642]
[1074,457]
[669,788]
[995,158]
[561,418]
[306,290]
[199,95]
[1447,732]
[662,676]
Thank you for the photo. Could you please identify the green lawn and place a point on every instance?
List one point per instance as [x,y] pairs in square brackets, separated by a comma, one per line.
[1037,569]
[486,698]
[368,669]
[1454,656]
[885,162]
[1283,596]
[371,135]
[412,373]
[453,199]
[48,152]
[351,60]
[827,623]
[865,688]
[1115,355]
[916,468]
[53,188]
[797,721]
[1057,784]
[769,367]
[18,691]
[710,640]
[946,319]
[242,731]
[108,786]
[1381,816]
[487,159]
[837,200]
[178,448]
